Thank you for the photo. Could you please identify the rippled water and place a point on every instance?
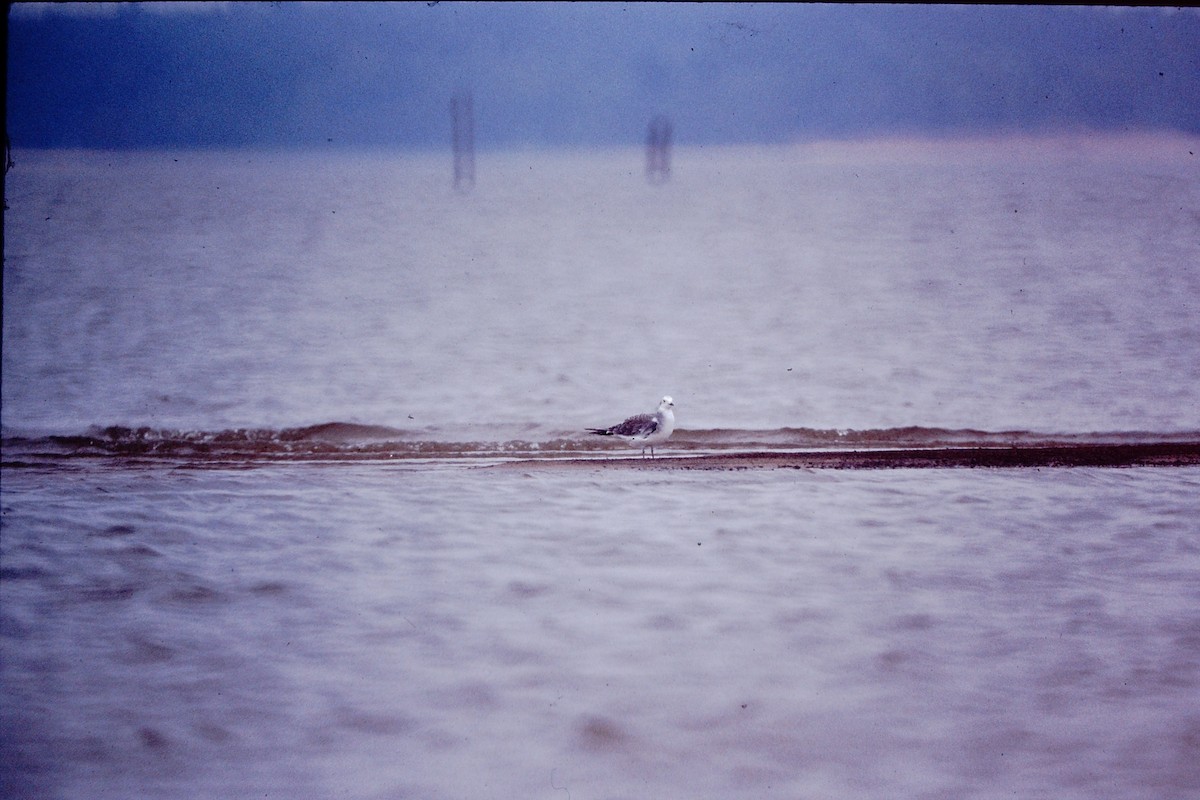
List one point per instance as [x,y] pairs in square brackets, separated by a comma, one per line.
[373,631]
[263,532]
[1018,285]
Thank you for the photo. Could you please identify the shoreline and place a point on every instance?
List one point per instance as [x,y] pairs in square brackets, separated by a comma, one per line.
[1144,454]
[1117,455]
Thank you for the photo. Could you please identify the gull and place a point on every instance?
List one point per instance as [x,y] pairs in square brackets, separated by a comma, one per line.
[644,430]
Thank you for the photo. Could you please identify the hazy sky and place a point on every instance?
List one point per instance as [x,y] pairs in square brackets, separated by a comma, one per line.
[577,74]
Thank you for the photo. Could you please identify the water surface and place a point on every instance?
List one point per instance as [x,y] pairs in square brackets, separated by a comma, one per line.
[291,499]
[364,630]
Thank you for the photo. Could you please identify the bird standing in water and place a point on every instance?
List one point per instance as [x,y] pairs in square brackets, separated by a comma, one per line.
[644,430]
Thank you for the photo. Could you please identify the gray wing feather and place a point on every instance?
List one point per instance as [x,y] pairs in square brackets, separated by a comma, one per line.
[640,425]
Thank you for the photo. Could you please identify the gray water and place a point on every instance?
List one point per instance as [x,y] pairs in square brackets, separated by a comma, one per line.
[369,631]
[1019,285]
[453,620]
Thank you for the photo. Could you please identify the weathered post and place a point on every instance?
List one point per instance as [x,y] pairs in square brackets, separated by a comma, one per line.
[658,150]
[462,140]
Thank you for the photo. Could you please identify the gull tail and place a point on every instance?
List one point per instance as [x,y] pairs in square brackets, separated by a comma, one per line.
[599,431]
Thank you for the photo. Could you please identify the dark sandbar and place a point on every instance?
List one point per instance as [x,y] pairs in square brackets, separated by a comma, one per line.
[1115,455]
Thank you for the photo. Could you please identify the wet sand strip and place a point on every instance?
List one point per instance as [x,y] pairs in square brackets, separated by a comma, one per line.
[1098,455]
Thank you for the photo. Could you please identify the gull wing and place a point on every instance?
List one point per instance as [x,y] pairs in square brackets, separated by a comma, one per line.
[640,425]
